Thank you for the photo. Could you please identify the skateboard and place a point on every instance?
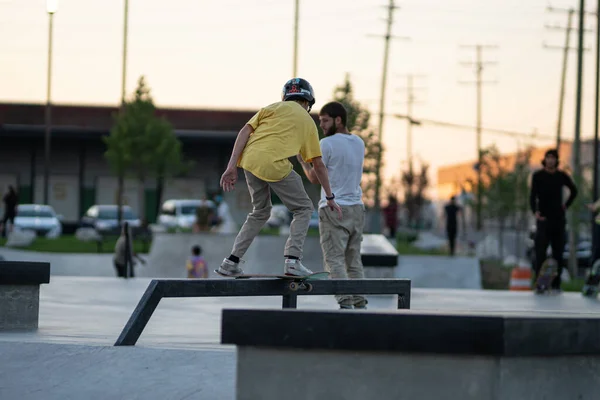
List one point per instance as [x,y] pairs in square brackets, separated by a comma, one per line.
[296,281]
[548,272]
[590,288]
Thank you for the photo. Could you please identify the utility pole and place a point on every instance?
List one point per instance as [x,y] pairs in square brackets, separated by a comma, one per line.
[570,13]
[574,234]
[410,101]
[296,17]
[576,150]
[124,70]
[479,64]
[376,221]
[597,107]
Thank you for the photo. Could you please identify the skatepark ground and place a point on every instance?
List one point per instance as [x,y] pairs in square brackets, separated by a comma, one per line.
[179,355]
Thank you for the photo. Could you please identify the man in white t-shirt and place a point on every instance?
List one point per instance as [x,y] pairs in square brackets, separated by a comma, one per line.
[343,155]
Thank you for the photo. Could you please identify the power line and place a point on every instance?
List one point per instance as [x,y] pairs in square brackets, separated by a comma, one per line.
[502,132]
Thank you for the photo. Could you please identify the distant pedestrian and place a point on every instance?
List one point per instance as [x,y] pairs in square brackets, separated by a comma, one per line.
[11,200]
[451,211]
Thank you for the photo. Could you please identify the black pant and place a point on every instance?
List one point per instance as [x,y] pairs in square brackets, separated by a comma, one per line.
[595,244]
[122,270]
[8,216]
[549,232]
[451,232]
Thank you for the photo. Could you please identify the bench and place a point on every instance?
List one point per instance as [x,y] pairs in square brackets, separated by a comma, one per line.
[20,293]
[379,256]
[169,288]
[413,354]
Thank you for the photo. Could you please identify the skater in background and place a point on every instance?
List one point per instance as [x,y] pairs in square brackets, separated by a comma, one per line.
[546,202]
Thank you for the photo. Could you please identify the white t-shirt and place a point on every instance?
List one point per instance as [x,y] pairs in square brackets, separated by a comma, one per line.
[343,155]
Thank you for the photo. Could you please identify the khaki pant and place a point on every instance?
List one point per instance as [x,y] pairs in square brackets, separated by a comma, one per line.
[340,243]
[291,192]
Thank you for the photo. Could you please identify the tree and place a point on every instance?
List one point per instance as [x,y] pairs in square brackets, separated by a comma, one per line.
[143,145]
[505,191]
[521,176]
[414,185]
[358,123]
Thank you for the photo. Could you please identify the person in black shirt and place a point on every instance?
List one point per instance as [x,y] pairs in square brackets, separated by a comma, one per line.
[11,200]
[451,210]
[546,202]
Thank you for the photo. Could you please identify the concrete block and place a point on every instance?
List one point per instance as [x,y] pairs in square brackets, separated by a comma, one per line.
[368,375]
[19,307]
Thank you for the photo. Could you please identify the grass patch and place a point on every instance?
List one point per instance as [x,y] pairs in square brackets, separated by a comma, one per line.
[70,244]
[574,285]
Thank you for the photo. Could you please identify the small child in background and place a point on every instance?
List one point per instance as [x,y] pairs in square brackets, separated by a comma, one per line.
[196,264]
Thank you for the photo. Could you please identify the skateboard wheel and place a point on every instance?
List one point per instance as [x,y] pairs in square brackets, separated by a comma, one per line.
[309,287]
[293,286]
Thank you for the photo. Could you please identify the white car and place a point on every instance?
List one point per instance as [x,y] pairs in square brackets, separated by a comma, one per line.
[40,219]
[104,218]
[181,213]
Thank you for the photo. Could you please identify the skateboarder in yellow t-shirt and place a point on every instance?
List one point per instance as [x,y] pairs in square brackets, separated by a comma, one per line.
[275,133]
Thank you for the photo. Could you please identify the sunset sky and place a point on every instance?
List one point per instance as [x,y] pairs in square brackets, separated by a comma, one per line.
[237,54]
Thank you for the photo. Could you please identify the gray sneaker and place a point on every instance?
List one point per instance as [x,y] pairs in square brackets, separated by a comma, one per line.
[231,268]
[361,305]
[295,267]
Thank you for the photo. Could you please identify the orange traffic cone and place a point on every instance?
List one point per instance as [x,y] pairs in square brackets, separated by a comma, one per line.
[520,278]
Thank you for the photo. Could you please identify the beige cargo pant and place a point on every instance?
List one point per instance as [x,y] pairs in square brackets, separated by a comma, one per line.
[291,192]
[340,243]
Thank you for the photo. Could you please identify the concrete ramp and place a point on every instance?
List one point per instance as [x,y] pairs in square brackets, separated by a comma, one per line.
[45,371]
[169,253]
[440,272]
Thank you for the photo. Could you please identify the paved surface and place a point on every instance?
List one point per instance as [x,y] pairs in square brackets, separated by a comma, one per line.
[62,264]
[42,371]
[84,308]
[178,356]
[440,271]
[79,310]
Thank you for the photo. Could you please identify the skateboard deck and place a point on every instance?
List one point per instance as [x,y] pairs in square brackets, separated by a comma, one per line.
[592,283]
[548,272]
[296,281]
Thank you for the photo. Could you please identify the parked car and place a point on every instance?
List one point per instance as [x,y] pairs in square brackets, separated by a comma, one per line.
[280,215]
[180,213]
[39,218]
[104,218]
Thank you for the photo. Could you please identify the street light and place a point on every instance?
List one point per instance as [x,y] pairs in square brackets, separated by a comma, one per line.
[51,8]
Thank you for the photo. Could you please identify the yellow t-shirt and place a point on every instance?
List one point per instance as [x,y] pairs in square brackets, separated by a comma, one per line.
[281,130]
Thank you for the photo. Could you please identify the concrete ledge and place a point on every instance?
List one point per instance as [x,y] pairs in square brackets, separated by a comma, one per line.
[499,334]
[397,355]
[376,251]
[24,273]
[20,293]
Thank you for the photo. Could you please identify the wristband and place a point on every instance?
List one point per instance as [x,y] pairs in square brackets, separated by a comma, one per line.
[330,198]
